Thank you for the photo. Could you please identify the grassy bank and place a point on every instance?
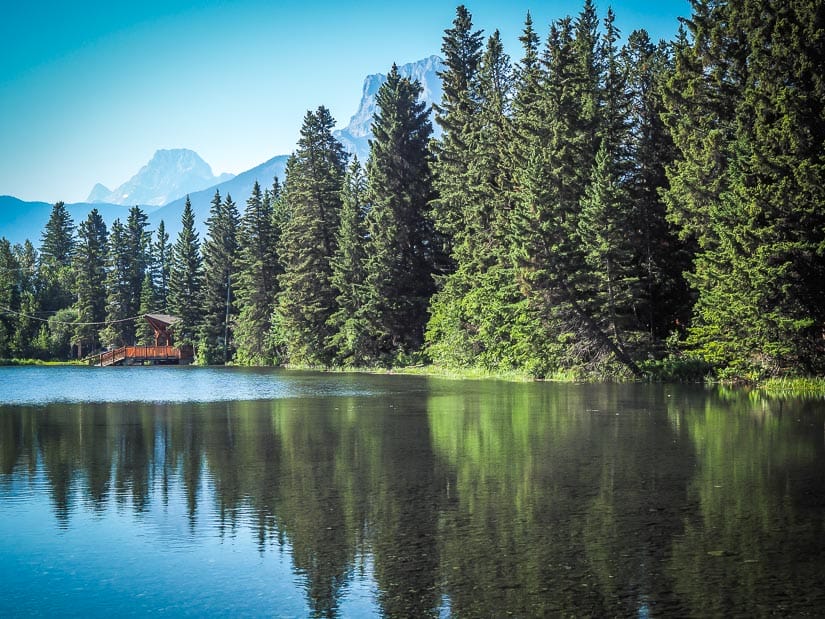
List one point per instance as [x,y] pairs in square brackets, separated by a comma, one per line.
[39,362]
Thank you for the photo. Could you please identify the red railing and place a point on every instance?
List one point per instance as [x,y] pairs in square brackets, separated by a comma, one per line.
[142,353]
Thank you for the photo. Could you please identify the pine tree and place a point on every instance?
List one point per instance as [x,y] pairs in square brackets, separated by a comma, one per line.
[745,106]
[135,260]
[348,274]
[145,335]
[161,265]
[312,199]
[456,114]
[606,225]
[9,297]
[472,315]
[119,294]
[89,263]
[400,262]
[27,328]
[219,260]
[257,285]
[56,251]
[665,301]
[186,278]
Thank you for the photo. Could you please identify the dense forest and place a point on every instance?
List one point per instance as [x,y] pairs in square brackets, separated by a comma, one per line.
[603,206]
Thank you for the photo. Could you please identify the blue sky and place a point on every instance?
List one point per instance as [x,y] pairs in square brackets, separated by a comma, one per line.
[89,90]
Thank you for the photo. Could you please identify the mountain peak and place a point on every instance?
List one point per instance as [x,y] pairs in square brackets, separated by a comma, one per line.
[356,135]
[169,174]
[99,193]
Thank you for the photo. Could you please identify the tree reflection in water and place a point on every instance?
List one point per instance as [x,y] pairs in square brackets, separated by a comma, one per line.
[475,498]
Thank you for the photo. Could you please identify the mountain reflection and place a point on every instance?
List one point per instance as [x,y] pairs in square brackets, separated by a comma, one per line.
[475,500]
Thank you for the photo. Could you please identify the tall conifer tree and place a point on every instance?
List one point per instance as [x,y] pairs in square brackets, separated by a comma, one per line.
[456,114]
[258,267]
[161,265]
[400,253]
[56,251]
[220,251]
[90,279]
[312,200]
[119,293]
[348,274]
[186,278]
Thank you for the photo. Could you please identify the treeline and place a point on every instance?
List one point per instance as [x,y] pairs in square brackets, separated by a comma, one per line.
[595,207]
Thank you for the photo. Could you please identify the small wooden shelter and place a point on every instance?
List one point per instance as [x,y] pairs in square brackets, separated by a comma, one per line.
[163,352]
[161,324]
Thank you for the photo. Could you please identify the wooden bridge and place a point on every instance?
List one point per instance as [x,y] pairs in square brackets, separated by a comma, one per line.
[138,355]
[161,353]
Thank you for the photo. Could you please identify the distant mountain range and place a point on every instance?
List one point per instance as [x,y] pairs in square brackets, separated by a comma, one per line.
[161,186]
[169,175]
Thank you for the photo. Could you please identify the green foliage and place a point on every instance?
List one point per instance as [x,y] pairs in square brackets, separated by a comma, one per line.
[220,256]
[746,113]
[145,335]
[312,202]
[89,264]
[257,283]
[161,261]
[186,278]
[348,270]
[400,257]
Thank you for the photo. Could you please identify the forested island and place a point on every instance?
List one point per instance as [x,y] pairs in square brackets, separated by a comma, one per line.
[604,206]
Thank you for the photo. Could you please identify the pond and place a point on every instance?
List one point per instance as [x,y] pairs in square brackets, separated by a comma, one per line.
[231,492]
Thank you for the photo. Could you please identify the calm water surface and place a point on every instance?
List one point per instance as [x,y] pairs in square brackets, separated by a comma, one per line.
[205,492]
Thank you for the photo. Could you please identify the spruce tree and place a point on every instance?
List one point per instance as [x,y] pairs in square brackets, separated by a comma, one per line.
[400,262]
[220,251]
[136,261]
[119,293]
[257,284]
[664,301]
[606,226]
[27,327]
[186,278]
[348,274]
[745,106]
[89,263]
[145,335]
[57,246]
[161,265]
[9,297]
[312,201]
[456,114]
[472,315]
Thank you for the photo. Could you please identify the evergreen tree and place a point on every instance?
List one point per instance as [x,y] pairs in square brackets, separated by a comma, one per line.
[348,275]
[27,327]
[161,265]
[145,334]
[186,278]
[400,262]
[312,199]
[472,315]
[119,293]
[456,114]
[90,280]
[56,251]
[58,240]
[606,225]
[219,260]
[257,286]
[664,302]
[9,297]
[136,260]
[745,106]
